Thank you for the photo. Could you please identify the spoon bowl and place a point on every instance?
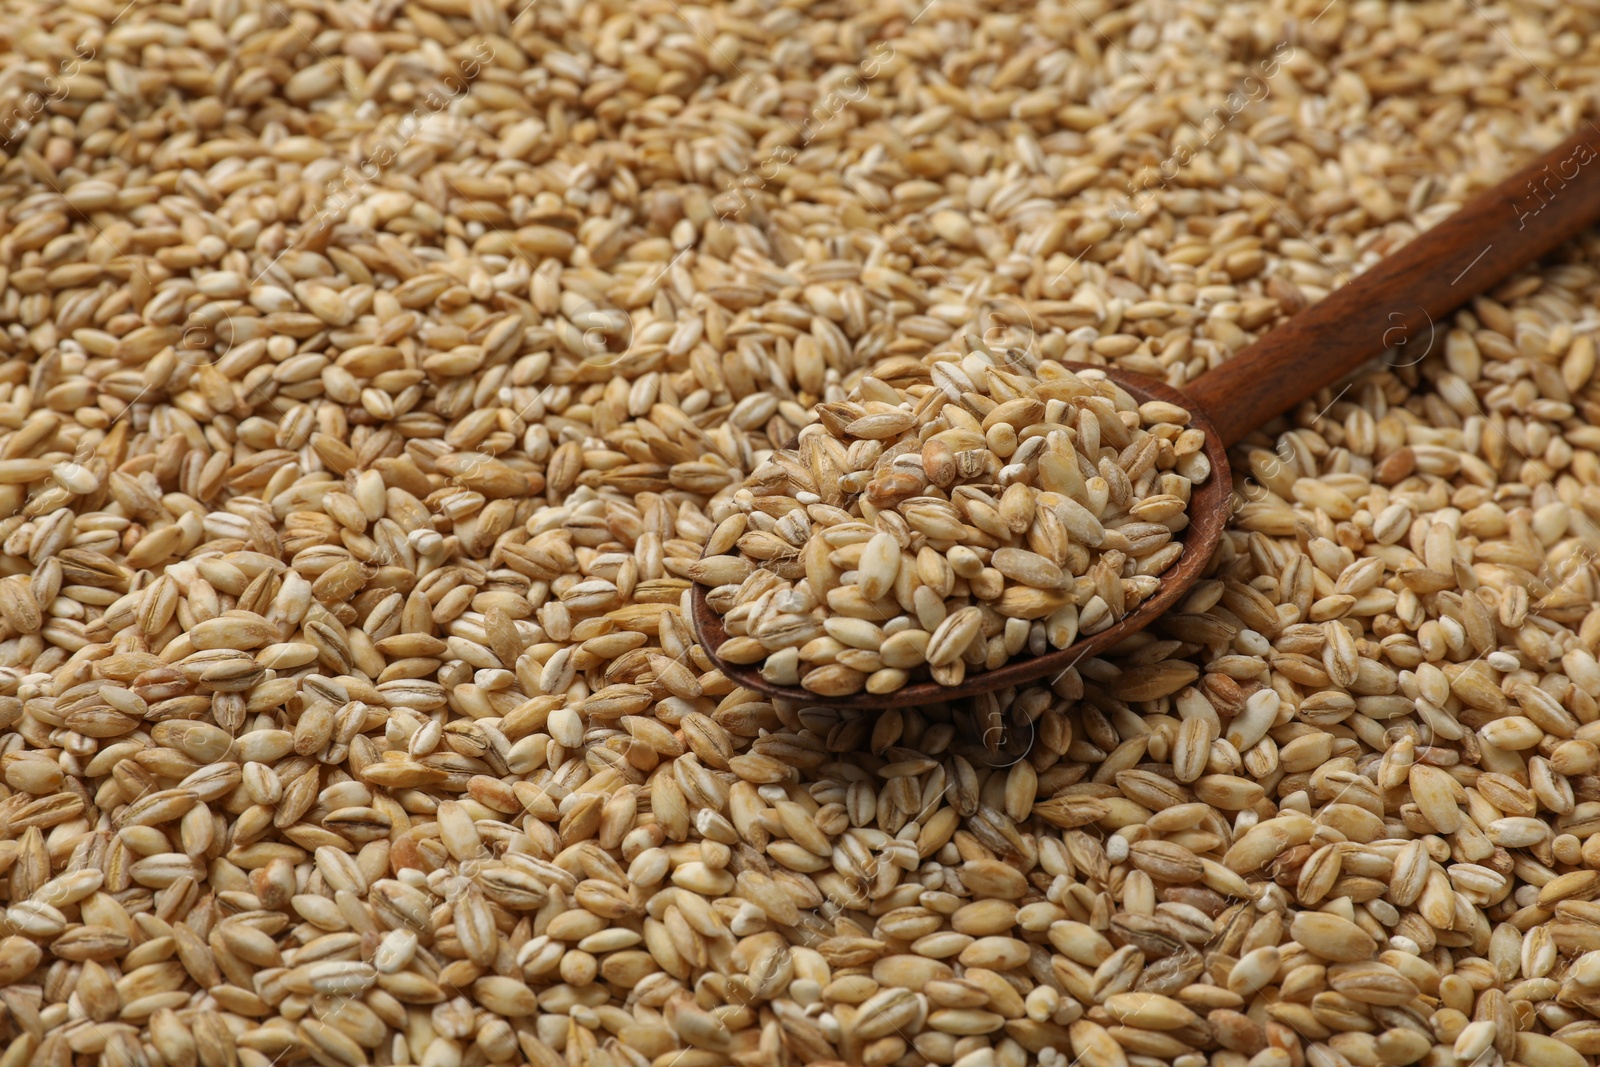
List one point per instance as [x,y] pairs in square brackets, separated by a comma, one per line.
[1208,516]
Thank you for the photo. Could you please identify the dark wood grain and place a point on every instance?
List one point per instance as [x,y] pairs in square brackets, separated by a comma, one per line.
[1208,513]
[1403,300]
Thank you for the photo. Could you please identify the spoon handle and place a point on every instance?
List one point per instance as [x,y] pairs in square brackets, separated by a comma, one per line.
[1403,299]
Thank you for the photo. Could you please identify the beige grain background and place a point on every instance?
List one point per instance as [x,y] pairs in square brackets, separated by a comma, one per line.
[374,374]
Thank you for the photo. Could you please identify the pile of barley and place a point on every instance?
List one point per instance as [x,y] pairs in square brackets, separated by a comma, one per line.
[908,536]
[375,373]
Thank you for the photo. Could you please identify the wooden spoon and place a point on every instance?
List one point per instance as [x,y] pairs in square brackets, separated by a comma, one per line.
[1400,301]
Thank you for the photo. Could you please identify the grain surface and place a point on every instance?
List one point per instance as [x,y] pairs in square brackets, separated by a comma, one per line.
[375,376]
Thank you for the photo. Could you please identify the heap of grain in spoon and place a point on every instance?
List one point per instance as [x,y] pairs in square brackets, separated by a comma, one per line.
[952,514]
